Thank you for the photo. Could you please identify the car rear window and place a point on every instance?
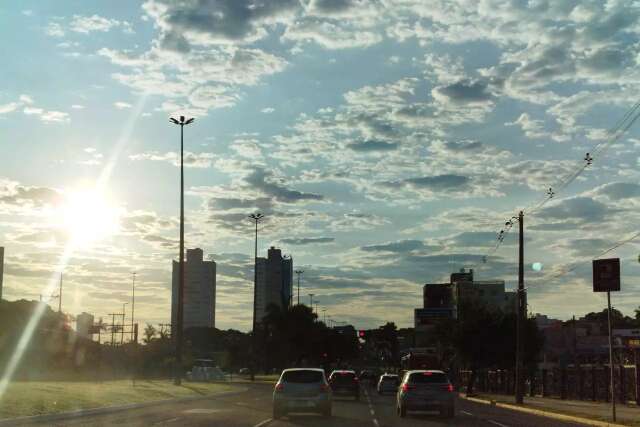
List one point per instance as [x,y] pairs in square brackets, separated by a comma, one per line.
[343,377]
[390,379]
[428,378]
[302,376]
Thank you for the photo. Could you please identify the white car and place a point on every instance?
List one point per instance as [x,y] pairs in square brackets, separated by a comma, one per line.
[205,370]
[302,390]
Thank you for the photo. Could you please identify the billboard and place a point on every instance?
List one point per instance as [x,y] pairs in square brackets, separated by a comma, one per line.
[606,275]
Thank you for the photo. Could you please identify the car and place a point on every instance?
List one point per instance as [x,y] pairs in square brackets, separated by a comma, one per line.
[302,390]
[345,382]
[205,370]
[426,390]
[388,383]
[244,371]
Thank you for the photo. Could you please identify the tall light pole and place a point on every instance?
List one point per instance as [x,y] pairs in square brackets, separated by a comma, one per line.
[256,218]
[177,380]
[311,301]
[299,273]
[133,304]
[324,315]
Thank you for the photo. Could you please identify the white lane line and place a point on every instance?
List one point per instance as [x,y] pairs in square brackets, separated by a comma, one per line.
[170,420]
[497,423]
[375,423]
[263,423]
[465,412]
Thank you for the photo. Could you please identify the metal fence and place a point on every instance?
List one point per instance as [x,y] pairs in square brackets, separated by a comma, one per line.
[581,382]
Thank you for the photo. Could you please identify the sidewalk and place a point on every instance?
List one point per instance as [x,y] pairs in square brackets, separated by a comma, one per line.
[601,411]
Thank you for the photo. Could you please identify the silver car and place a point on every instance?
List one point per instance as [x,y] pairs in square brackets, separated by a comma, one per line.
[426,390]
[302,390]
[388,383]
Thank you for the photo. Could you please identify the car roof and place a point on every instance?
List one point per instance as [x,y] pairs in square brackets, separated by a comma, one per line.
[303,369]
[343,371]
[421,371]
[389,375]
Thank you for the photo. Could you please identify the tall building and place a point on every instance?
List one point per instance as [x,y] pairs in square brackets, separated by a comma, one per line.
[84,325]
[199,304]
[274,281]
[1,269]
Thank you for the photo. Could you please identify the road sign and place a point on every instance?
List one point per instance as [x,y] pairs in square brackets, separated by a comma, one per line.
[606,275]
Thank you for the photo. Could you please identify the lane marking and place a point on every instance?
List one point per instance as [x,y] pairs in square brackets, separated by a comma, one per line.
[375,423]
[263,423]
[497,423]
[167,421]
[466,413]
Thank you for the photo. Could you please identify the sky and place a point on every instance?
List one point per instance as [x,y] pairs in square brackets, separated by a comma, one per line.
[386,141]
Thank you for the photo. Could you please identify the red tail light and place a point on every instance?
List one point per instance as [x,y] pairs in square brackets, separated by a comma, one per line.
[406,387]
[279,387]
[450,388]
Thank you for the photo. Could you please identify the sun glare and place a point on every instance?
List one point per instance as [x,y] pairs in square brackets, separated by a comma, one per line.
[89,216]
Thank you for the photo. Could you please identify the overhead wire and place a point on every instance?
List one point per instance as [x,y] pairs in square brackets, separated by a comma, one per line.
[615,133]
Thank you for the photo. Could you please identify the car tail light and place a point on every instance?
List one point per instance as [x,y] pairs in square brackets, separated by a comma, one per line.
[450,387]
[355,379]
[279,387]
[406,387]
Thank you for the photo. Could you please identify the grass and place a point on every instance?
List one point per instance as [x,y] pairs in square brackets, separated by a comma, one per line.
[25,398]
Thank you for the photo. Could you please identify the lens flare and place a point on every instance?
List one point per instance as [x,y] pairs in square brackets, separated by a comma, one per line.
[536,266]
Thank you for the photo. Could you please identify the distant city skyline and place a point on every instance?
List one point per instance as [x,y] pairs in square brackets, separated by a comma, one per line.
[387,142]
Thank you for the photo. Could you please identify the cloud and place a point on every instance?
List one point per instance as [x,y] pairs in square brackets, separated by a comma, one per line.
[579,208]
[400,246]
[267,110]
[618,190]
[463,92]
[263,181]
[193,160]
[120,105]
[87,24]
[298,241]
[372,145]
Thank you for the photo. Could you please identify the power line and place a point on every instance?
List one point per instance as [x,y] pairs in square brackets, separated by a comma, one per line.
[615,133]
[577,264]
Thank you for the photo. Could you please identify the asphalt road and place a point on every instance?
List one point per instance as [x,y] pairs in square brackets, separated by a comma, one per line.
[251,407]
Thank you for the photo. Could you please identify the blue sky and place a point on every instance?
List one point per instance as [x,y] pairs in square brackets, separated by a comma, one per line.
[387,141]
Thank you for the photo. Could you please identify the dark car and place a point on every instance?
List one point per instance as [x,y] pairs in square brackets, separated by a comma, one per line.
[345,383]
[426,391]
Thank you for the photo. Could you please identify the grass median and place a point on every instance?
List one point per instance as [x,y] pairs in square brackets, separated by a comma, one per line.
[24,398]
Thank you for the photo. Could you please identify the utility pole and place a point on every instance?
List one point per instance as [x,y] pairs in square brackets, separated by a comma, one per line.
[520,315]
[324,316]
[60,296]
[311,302]
[299,273]
[113,326]
[122,331]
[177,380]
[133,304]
[256,218]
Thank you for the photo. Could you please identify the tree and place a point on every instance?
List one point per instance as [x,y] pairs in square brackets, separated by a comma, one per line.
[149,333]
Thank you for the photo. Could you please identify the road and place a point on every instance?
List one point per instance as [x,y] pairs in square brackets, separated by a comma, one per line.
[251,407]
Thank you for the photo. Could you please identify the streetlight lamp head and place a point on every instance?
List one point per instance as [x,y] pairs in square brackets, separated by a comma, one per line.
[189,121]
[181,119]
[174,121]
[256,216]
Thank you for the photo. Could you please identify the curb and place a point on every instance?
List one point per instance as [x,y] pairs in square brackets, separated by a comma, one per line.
[108,409]
[548,414]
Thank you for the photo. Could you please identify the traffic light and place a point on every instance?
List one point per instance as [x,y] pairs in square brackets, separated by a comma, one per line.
[361,333]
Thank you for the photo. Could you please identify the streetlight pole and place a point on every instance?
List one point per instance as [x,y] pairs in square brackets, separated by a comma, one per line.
[256,217]
[133,304]
[299,273]
[311,301]
[177,380]
[324,316]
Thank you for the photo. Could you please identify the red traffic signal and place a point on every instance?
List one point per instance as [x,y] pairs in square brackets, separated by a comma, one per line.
[361,333]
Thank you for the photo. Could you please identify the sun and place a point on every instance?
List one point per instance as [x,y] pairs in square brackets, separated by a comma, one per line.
[88,216]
